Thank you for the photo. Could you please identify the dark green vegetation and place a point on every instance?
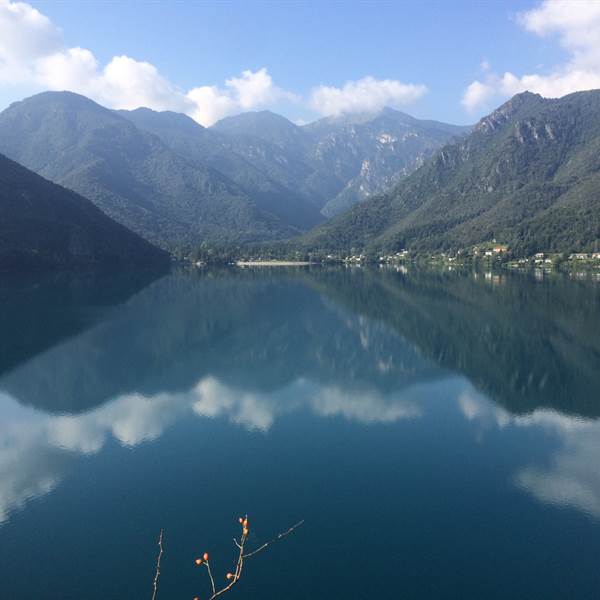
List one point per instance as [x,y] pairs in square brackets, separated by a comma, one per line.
[130,174]
[44,225]
[528,176]
[255,177]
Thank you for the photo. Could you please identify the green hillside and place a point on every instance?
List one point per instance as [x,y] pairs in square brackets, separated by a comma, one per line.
[44,225]
[130,174]
[528,175]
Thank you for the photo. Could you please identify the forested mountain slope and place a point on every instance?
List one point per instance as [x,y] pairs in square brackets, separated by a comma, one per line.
[132,175]
[44,225]
[528,175]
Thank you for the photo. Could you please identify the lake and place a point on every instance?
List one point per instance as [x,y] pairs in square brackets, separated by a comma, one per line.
[439,433]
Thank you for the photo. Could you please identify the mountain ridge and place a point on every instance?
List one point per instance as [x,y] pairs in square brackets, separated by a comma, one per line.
[526,176]
[130,174]
[343,160]
[255,177]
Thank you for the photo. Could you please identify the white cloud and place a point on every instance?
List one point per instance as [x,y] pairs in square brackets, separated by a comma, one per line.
[365,95]
[67,69]
[250,90]
[577,26]
[25,36]
[477,94]
[129,84]
[32,51]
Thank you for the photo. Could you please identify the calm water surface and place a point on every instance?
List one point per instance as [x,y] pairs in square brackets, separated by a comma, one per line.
[440,434]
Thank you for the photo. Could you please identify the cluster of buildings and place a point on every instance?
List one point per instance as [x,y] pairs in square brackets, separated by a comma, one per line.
[584,256]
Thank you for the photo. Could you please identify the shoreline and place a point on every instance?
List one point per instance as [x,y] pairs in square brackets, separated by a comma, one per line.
[272,263]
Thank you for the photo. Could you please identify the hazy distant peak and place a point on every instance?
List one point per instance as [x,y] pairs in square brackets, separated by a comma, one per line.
[265,125]
[385,120]
[62,97]
[64,103]
[252,119]
[152,119]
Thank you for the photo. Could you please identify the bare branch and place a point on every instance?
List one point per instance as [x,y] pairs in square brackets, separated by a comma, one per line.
[275,539]
[212,581]
[158,559]
[238,567]
[234,577]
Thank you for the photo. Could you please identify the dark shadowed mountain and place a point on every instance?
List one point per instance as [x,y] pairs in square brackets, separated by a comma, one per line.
[44,225]
[527,175]
[130,174]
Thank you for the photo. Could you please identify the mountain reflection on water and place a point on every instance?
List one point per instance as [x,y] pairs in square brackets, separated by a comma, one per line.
[125,360]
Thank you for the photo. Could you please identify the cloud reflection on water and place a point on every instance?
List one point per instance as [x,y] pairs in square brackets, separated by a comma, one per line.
[571,476]
[35,447]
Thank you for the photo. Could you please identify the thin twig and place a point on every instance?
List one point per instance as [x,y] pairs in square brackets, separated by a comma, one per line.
[158,558]
[275,539]
[212,581]
[238,569]
[242,556]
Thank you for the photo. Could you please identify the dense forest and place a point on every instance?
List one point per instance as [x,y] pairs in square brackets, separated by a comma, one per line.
[527,176]
[44,225]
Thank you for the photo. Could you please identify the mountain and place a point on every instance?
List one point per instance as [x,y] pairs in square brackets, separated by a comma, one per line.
[528,175]
[302,174]
[253,177]
[131,174]
[265,125]
[206,147]
[369,154]
[44,225]
[336,162]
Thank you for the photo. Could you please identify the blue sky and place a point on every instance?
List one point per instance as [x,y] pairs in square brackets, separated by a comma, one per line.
[303,59]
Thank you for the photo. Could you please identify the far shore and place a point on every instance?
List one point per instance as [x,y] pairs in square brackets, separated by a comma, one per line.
[272,263]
